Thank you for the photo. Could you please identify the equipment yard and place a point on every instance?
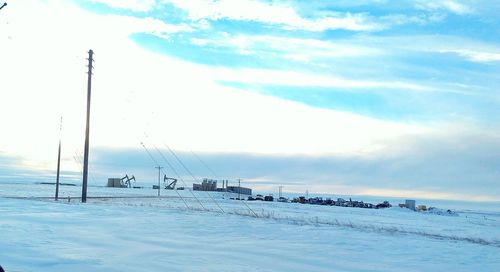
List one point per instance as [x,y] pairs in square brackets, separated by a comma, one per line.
[129,231]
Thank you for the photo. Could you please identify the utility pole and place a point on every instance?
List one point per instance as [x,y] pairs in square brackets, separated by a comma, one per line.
[86,150]
[159,174]
[280,190]
[225,187]
[58,162]
[239,188]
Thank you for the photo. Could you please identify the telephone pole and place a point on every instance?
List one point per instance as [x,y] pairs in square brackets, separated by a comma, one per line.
[159,174]
[239,188]
[58,162]
[86,150]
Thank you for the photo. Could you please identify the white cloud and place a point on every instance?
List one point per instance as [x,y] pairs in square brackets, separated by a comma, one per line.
[136,91]
[447,5]
[180,103]
[135,5]
[43,68]
[401,19]
[475,56]
[270,13]
[302,49]
[474,50]
[291,78]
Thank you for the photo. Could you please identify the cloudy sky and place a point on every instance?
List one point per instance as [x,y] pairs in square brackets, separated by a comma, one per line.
[394,98]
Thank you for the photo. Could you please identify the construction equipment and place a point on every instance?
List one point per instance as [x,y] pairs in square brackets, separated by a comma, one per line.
[127,181]
[171,185]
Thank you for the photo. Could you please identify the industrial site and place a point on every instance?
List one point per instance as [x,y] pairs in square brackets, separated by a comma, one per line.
[249,135]
[242,193]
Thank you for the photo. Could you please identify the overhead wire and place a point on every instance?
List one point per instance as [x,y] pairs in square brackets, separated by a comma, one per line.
[213,172]
[190,173]
[204,164]
[156,162]
[78,158]
[179,176]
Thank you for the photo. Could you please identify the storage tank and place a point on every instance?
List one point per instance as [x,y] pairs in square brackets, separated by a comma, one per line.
[410,204]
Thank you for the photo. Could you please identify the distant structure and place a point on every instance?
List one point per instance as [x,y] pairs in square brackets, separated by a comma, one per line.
[206,185]
[125,182]
[239,190]
[171,185]
[211,186]
[116,182]
[410,204]
[421,208]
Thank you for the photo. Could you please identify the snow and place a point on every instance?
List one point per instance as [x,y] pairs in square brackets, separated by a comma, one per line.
[161,234]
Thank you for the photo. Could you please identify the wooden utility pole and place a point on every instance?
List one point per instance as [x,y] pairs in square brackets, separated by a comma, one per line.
[159,175]
[58,162]
[239,188]
[86,150]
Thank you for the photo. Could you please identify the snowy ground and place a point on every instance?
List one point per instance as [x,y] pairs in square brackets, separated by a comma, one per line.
[151,234]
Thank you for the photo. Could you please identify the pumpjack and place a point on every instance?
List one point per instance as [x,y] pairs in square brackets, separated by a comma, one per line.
[171,185]
[127,181]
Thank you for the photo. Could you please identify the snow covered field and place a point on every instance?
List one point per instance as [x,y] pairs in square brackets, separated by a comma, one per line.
[162,234]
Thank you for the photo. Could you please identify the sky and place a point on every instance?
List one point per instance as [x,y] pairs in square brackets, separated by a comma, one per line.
[375,97]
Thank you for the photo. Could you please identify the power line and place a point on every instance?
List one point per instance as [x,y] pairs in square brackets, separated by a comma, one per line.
[184,166]
[78,158]
[151,156]
[213,172]
[156,162]
[204,164]
[190,173]
[178,175]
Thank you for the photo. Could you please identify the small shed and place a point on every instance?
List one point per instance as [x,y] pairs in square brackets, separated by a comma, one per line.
[116,182]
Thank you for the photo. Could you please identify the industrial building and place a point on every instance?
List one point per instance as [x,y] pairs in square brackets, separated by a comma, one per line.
[410,204]
[125,182]
[116,182]
[211,186]
[239,190]
[206,185]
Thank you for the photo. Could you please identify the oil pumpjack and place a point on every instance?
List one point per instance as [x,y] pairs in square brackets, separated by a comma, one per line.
[171,185]
[127,181]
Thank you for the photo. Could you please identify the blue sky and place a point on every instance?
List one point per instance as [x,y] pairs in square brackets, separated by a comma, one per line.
[446,47]
[374,97]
